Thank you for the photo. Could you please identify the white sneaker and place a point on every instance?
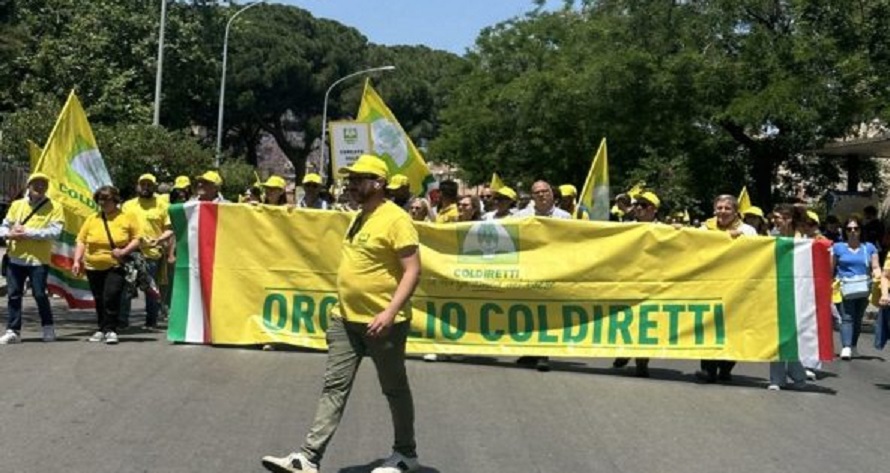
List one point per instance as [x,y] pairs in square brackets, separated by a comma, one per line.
[773,387]
[430,357]
[811,375]
[846,353]
[293,463]
[97,337]
[9,338]
[397,463]
[49,333]
[111,338]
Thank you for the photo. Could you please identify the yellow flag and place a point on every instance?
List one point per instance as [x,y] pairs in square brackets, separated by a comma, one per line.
[34,153]
[594,198]
[744,200]
[390,142]
[75,168]
[496,182]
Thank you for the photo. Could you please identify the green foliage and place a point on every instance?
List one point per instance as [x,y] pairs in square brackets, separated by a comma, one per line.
[696,98]
[237,177]
[132,150]
[25,124]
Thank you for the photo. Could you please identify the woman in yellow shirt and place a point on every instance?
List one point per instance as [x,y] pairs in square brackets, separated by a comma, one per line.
[102,260]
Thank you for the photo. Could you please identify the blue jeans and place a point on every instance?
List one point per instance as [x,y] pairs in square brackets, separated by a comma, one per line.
[152,305]
[16,275]
[852,311]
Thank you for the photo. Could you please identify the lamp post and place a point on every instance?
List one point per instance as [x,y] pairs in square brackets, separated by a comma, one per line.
[156,120]
[324,113]
[222,84]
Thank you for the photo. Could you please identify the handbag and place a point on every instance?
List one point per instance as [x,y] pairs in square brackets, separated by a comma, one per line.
[857,287]
[4,264]
[135,270]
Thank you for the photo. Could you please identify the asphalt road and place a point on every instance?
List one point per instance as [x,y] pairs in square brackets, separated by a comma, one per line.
[149,406]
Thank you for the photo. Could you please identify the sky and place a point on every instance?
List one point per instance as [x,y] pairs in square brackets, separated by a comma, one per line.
[452,25]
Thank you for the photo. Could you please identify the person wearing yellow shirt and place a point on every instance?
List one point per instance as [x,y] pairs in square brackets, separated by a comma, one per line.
[103,261]
[379,269]
[30,226]
[447,212]
[154,221]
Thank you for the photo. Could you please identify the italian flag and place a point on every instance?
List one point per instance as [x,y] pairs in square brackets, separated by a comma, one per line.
[190,309]
[803,287]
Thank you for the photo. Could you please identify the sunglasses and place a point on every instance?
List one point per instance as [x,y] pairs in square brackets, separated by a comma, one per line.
[853,229]
[360,177]
[642,204]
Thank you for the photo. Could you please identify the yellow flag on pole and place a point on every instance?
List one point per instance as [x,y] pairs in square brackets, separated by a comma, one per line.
[594,199]
[744,200]
[34,153]
[390,142]
[496,182]
[75,168]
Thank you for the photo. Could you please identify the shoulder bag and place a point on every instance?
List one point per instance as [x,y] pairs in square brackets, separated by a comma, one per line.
[4,264]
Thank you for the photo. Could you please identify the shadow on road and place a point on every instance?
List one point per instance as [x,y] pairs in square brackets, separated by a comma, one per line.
[375,464]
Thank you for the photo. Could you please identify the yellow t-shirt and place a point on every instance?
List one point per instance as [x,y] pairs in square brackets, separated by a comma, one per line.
[33,251]
[448,214]
[370,268]
[124,227]
[153,220]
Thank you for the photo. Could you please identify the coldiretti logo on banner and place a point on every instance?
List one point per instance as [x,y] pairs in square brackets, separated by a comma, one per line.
[515,287]
[489,242]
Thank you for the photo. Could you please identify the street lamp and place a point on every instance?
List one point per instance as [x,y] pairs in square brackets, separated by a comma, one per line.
[156,120]
[324,113]
[222,85]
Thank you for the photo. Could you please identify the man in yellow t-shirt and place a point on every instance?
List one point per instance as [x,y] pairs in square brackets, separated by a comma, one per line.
[156,229]
[447,209]
[30,226]
[379,269]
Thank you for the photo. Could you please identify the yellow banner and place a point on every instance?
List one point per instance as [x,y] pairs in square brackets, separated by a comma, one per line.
[510,287]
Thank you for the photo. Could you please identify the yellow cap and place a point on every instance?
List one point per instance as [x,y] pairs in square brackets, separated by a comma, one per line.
[650,197]
[148,177]
[506,192]
[182,182]
[211,177]
[566,190]
[311,178]
[38,175]
[754,210]
[398,181]
[367,164]
[276,182]
[813,216]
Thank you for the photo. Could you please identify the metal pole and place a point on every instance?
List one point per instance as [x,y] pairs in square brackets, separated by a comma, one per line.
[324,113]
[157,106]
[222,82]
